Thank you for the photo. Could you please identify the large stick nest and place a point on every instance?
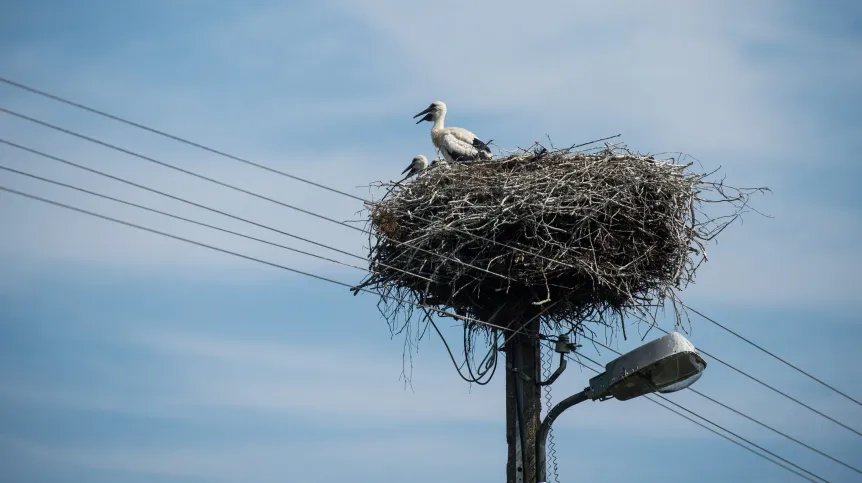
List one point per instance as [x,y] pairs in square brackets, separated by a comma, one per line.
[576,236]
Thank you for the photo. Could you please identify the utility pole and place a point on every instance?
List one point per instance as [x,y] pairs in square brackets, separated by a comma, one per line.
[523,397]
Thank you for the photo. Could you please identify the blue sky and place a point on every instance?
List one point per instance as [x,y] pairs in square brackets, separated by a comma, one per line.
[126,357]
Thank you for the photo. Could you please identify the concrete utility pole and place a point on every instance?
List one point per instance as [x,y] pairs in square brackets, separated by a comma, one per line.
[523,396]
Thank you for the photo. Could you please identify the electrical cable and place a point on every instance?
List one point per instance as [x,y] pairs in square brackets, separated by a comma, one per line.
[198,205]
[778,391]
[180,199]
[245,161]
[177,217]
[718,426]
[736,411]
[188,220]
[236,188]
[758,347]
[240,255]
[791,438]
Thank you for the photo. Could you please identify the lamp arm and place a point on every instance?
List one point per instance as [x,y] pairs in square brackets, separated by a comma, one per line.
[556,373]
[542,437]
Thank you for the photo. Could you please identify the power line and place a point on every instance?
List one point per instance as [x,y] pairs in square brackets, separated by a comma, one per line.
[236,188]
[343,193]
[716,425]
[260,240]
[740,413]
[191,203]
[247,257]
[798,369]
[101,173]
[175,237]
[175,138]
[177,217]
[777,391]
[791,438]
[251,163]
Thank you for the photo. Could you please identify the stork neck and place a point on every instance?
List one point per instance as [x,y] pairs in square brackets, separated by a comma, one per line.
[438,123]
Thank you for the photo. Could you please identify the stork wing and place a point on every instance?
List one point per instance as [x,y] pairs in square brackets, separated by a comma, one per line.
[461,134]
[482,146]
[457,148]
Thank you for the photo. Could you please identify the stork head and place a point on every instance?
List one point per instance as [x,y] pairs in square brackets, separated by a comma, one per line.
[435,111]
[420,161]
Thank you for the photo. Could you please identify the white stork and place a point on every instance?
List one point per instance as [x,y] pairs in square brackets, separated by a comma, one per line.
[419,163]
[455,143]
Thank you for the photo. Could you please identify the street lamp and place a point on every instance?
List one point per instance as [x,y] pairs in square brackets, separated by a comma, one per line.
[667,364]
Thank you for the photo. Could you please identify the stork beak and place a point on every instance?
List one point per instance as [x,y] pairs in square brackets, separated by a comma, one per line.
[426,111]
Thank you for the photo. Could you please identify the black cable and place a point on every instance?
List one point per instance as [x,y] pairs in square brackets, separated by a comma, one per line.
[245,161]
[33,151]
[778,391]
[481,371]
[743,414]
[798,369]
[303,180]
[177,217]
[63,205]
[716,425]
[153,210]
[452,357]
[240,255]
[236,188]
[791,438]
[116,178]
[173,197]
[648,398]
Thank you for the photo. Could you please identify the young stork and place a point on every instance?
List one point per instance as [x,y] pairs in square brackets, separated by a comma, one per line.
[456,144]
[419,163]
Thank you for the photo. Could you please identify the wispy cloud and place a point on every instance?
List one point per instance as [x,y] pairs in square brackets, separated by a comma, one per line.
[334,107]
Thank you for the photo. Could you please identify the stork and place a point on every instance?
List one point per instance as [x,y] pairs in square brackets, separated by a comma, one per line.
[455,143]
[419,163]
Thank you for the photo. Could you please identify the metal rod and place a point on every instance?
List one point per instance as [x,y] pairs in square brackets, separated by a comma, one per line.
[542,437]
[556,373]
